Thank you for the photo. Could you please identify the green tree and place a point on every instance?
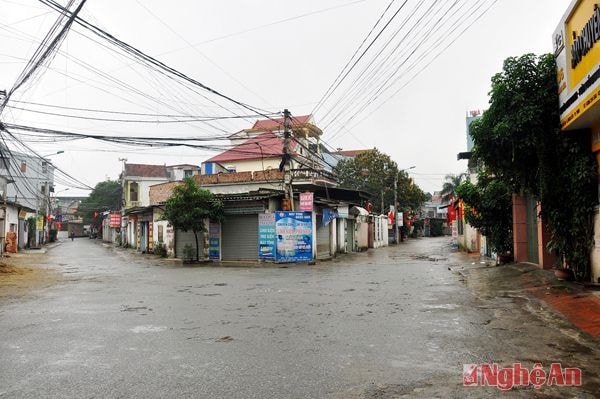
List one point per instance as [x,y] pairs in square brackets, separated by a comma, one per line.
[374,172]
[449,188]
[105,196]
[189,206]
[488,207]
[519,141]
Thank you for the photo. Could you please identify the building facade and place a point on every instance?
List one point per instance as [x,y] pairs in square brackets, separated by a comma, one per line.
[577,51]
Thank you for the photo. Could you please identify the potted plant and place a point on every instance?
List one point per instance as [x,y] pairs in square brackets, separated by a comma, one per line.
[563,271]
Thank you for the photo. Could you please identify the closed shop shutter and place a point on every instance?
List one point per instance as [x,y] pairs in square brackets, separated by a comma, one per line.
[323,243]
[186,237]
[239,237]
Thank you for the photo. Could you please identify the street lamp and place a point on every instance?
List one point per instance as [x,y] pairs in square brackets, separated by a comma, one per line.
[54,153]
[396,201]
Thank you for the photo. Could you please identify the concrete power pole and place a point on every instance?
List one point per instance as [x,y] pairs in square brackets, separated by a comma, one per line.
[396,208]
[287,158]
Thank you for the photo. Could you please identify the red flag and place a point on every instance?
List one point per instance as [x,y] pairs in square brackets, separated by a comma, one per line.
[391,217]
[451,213]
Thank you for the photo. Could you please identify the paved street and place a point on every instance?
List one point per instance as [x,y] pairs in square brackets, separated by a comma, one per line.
[394,322]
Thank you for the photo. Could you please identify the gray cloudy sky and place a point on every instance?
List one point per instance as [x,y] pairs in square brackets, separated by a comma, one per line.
[432,64]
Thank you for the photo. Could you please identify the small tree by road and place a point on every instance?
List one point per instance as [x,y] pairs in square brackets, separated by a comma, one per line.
[105,196]
[189,206]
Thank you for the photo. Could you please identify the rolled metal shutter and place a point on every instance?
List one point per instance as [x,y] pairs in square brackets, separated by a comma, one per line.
[186,237]
[323,242]
[239,237]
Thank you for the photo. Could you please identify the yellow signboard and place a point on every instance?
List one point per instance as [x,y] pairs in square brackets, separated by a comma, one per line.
[583,105]
[582,35]
[40,223]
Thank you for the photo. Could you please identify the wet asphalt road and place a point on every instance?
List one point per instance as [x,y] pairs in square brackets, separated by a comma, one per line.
[389,323]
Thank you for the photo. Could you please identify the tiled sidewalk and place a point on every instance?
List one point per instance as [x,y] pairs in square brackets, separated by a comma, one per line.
[579,304]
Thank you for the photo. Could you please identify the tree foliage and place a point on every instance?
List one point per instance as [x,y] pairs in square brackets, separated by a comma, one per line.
[488,208]
[106,196]
[374,172]
[449,188]
[519,141]
[189,206]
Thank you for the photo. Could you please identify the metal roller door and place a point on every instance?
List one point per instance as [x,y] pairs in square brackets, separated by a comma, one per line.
[186,237]
[239,237]
[323,242]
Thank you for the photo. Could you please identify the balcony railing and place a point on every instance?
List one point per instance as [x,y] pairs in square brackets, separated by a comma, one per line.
[298,175]
[312,174]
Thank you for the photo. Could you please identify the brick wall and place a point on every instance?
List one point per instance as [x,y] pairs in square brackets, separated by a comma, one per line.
[271,174]
[161,192]
[235,177]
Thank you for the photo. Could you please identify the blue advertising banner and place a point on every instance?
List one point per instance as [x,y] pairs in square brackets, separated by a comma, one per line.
[214,241]
[266,236]
[294,236]
[328,216]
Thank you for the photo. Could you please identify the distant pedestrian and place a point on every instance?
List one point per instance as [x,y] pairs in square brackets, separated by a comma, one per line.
[72,235]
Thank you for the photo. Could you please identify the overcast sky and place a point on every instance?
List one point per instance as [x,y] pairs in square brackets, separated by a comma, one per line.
[434,63]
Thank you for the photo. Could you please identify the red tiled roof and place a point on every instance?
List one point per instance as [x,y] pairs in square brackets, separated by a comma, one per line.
[277,123]
[265,145]
[350,153]
[141,170]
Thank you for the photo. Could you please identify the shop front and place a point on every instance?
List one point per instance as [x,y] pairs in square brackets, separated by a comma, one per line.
[577,51]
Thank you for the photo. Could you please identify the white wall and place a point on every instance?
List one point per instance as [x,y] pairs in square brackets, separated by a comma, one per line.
[381,231]
[254,165]
[342,246]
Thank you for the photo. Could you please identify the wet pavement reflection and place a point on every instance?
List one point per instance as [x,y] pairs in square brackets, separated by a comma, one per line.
[394,322]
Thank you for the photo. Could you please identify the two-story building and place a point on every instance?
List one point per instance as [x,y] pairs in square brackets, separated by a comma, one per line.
[138,215]
[249,179]
[31,182]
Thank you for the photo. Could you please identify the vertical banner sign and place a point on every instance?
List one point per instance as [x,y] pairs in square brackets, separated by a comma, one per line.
[39,223]
[266,235]
[214,241]
[294,236]
[306,202]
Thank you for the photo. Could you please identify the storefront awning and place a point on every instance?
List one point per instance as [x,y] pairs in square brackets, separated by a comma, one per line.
[359,211]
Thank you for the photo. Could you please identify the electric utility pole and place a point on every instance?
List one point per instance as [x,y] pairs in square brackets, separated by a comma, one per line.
[287,158]
[396,208]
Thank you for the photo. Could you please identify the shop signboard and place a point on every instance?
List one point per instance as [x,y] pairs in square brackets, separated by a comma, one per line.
[293,236]
[266,236]
[306,202]
[214,241]
[577,54]
[115,220]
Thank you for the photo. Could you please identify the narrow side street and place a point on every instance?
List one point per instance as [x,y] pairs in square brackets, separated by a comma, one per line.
[397,322]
